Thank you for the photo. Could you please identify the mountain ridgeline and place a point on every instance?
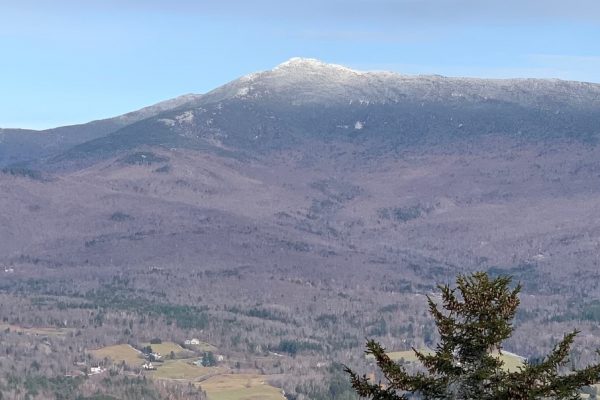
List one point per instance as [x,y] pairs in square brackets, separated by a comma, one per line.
[305,101]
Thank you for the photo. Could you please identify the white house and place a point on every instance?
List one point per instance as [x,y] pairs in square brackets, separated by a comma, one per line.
[148,366]
[96,370]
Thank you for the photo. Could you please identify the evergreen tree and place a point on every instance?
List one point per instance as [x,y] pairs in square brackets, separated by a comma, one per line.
[466,364]
[208,359]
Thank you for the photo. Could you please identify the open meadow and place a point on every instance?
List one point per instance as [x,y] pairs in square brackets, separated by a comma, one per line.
[512,362]
[165,348]
[119,353]
[240,387]
[183,370]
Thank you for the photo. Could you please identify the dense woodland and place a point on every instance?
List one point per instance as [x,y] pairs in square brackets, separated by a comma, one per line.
[296,331]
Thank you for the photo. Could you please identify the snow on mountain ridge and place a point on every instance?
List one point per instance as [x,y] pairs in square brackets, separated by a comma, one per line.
[313,63]
[300,81]
[159,107]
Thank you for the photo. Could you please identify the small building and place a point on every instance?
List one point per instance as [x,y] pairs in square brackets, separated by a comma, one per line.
[148,366]
[193,342]
[153,356]
[96,370]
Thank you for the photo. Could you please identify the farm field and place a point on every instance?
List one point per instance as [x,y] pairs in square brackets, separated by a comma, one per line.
[165,348]
[406,355]
[35,331]
[240,387]
[119,353]
[203,346]
[183,370]
[511,361]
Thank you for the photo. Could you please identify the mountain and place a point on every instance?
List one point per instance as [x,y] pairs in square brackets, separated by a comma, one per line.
[323,165]
[288,214]
[20,145]
[304,101]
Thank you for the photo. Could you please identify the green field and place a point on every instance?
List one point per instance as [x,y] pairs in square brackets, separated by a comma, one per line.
[182,370]
[34,331]
[165,348]
[511,362]
[240,387]
[119,353]
[406,355]
[203,346]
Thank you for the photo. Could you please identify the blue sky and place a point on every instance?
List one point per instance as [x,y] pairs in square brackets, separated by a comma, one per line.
[72,61]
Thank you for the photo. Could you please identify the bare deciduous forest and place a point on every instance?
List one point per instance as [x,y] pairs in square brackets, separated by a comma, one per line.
[177,258]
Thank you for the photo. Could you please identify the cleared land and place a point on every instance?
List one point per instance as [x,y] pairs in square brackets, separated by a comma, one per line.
[240,387]
[34,331]
[203,346]
[182,370]
[406,355]
[119,353]
[165,348]
[217,384]
[512,362]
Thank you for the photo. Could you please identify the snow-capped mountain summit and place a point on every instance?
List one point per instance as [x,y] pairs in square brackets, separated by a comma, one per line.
[306,100]
[312,64]
[307,80]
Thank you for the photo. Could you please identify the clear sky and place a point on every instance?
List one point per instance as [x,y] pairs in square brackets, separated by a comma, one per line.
[72,61]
